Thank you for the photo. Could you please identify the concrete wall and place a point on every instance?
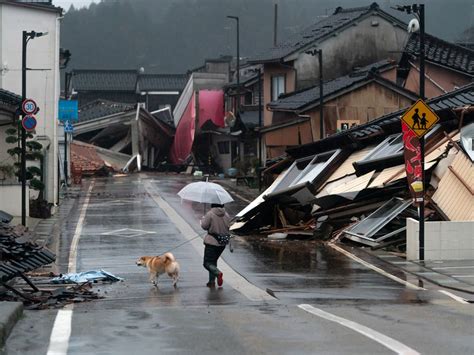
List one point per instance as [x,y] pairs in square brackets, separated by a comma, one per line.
[42,85]
[443,240]
[10,199]
[370,40]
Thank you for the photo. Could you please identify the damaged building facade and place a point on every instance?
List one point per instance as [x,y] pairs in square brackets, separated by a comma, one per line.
[352,185]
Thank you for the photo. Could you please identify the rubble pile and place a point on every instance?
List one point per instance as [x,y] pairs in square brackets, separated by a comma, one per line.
[19,257]
[353,185]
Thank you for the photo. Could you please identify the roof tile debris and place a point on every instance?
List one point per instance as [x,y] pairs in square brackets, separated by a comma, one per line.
[85,157]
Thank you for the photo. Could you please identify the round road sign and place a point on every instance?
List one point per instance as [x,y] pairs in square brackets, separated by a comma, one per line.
[29,107]
[28,123]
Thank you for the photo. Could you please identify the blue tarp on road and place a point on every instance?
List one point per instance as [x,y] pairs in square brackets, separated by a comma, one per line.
[87,276]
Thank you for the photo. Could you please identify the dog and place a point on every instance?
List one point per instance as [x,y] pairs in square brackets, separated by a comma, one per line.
[158,265]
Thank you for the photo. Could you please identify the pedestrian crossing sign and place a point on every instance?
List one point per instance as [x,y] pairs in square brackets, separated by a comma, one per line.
[420,118]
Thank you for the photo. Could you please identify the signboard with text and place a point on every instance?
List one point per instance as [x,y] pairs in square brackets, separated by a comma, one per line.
[68,110]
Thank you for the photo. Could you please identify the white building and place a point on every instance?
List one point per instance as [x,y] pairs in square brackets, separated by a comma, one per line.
[43,80]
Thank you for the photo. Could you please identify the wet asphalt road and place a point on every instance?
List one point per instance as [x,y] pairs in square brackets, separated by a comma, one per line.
[123,221]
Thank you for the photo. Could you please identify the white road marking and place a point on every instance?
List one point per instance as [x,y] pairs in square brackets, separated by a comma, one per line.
[453,267]
[231,277]
[461,276]
[454,297]
[380,338]
[128,233]
[376,269]
[59,339]
[78,231]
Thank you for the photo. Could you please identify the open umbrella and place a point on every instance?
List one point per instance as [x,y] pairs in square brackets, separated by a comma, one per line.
[205,192]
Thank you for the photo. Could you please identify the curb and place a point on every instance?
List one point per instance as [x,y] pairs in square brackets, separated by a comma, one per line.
[466,289]
[10,313]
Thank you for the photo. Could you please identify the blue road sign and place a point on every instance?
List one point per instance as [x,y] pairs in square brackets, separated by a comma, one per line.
[68,127]
[29,123]
[68,110]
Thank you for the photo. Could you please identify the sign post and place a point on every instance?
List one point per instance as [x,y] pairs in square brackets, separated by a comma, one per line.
[416,122]
[68,112]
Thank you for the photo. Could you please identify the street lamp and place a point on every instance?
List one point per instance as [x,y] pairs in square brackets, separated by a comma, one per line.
[27,36]
[419,11]
[236,18]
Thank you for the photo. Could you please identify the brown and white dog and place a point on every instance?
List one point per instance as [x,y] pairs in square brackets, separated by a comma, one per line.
[158,265]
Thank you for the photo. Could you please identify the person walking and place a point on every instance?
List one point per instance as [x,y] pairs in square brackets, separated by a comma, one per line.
[216,222]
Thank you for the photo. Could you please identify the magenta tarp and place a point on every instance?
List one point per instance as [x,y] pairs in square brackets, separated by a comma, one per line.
[211,107]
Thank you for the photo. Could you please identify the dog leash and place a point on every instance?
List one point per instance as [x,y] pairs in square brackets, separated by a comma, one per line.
[231,248]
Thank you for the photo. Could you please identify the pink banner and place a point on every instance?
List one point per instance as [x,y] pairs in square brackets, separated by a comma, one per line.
[413,167]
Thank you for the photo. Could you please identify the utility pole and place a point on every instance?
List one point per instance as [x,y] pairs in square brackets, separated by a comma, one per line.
[275,26]
[259,129]
[23,131]
[419,11]
[25,38]
[321,95]
[66,97]
[236,18]
[421,237]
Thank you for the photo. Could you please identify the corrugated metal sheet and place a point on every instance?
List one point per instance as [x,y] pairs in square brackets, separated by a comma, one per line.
[347,168]
[453,197]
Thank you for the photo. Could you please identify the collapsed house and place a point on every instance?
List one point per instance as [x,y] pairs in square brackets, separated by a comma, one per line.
[126,131]
[353,184]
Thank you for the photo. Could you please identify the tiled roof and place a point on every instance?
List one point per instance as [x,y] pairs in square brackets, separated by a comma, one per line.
[443,53]
[341,18]
[384,125]
[104,80]
[298,100]
[9,98]
[102,108]
[162,82]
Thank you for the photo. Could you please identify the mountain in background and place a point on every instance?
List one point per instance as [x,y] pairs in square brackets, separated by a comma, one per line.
[173,36]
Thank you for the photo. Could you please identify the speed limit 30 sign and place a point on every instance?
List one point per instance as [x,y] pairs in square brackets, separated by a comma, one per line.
[29,107]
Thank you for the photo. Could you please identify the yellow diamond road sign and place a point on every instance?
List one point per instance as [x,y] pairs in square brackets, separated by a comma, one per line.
[420,118]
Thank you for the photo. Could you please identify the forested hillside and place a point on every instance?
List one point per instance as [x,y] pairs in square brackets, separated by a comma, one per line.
[176,35]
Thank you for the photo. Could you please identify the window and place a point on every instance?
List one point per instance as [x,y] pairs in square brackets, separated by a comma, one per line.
[390,146]
[370,230]
[278,86]
[344,125]
[248,98]
[223,147]
[315,167]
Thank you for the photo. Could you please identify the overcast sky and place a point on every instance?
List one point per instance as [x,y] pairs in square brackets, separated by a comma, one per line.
[65,4]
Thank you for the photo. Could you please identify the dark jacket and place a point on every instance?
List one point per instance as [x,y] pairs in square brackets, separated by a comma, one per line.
[215,221]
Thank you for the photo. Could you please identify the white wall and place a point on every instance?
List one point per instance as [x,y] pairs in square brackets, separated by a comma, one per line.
[42,85]
[10,201]
[445,240]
